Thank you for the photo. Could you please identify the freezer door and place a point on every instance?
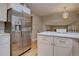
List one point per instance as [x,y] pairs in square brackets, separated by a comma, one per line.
[26,31]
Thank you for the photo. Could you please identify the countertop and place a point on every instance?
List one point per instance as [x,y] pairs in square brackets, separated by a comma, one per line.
[61,34]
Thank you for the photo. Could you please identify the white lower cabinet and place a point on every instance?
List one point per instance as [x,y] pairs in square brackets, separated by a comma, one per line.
[54,46]
[75,48]
[62,46]
[62,51]
[44,46]
[4,50]
[4,45]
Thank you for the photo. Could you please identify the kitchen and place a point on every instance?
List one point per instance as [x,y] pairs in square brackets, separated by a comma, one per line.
[54,30]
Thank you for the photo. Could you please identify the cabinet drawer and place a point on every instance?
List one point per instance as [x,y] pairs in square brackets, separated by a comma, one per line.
[63,42]
[4,40]
[45,38]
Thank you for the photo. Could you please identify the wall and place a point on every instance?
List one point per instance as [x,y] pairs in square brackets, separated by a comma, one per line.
[1,27]
[56,19]
[36,26]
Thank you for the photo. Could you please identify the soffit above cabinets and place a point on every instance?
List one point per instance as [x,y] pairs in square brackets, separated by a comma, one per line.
[44,9]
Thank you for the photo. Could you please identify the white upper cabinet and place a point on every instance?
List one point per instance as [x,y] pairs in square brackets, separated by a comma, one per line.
[26,10]
[3,12]
[19,8]
[15,6]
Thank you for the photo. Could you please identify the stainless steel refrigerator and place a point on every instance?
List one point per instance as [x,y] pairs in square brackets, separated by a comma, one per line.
[21,28]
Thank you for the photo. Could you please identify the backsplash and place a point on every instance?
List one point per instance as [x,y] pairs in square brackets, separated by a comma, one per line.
[1,27]
[54,27]
[70,28]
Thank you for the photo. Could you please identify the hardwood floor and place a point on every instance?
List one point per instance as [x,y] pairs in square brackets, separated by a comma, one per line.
[33,51]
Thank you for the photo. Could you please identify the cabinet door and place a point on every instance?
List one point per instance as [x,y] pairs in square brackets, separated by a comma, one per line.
[63,42]
[5,50]
[62,46]
[4,45]
[26,10]
[62,51]
[44,46]
[3,11]
[75,48]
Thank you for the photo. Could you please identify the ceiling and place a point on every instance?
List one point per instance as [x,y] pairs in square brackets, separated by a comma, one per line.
[43,9]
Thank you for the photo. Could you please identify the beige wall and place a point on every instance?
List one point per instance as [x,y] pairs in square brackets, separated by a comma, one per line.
[36,26]
[56,19]
[1,27]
